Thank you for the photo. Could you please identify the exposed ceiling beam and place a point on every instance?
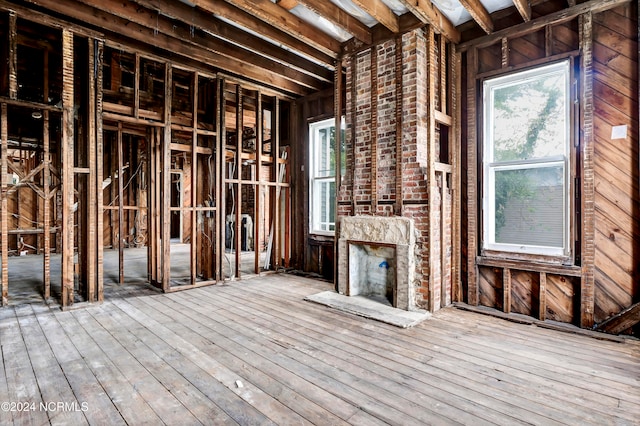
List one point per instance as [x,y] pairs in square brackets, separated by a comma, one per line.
[246,20]
[288,4]
[381,13]
[429,14]
[278,17]
[203,20]
[479,14]
[524,8]
[131,11]
[563,15]
[224,58]
[340,18]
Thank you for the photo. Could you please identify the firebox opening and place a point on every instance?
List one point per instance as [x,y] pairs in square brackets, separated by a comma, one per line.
[372,272]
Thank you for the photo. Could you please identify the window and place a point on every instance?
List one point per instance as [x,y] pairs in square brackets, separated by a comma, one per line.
[322,186]
[526,161]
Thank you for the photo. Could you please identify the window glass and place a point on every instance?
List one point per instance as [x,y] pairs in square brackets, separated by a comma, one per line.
[526,145]
[322,138]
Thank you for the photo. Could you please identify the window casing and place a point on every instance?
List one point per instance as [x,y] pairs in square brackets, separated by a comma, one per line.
[526,162]
[322,176]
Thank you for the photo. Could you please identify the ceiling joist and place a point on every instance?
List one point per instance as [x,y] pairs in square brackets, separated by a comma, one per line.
[224,31]
[291,45]
[381,13]
[279,17]
[340,18]
[219,55]
[479,14]
[524,9]
[429,14]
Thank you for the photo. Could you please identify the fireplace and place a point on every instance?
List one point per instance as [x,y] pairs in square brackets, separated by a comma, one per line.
[376,259]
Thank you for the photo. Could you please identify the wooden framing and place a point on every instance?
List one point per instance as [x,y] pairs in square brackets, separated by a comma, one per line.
[257,212]
[46,209]
[435,271]
[85,225]
[165,196]
[67,171]
[558,290]
[13,56]
[4,219]
[374,129]
[284,75]
[587,165]
[338,109]
[238,176]
[98,48]
[398,207]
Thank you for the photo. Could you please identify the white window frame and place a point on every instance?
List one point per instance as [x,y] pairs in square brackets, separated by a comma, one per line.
[316,224]
[490,167]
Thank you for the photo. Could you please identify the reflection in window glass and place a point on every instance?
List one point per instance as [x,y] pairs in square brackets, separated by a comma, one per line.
[526,145]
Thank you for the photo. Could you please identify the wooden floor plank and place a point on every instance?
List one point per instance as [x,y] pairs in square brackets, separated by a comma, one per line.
[495,394]
[24,397]
[124,394]
[60,403]
[529,374]
[267,376]
[367,366]
[86,387]
[325,377]
[254,352]
[160,399]
[242,413]
[164,364]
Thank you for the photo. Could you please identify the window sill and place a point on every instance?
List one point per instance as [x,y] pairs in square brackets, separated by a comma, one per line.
[542,264]
[322,235]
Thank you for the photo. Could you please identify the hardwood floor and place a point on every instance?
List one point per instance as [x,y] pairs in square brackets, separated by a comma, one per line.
[253,352]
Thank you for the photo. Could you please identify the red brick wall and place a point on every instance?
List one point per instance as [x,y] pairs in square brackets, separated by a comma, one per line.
[355,195]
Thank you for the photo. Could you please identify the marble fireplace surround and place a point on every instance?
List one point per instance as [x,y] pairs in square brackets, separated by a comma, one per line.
[393,231]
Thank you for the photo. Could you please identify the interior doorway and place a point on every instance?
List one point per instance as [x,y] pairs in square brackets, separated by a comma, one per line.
[125,204]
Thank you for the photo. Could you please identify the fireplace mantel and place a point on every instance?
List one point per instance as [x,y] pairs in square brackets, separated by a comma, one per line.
[393,231]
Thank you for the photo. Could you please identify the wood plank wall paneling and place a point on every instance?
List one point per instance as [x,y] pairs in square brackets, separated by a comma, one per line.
[561,292]
[565,37]
[609,185]
[490,58]
[525,286]
[615,52]
[527,48]
[490,287]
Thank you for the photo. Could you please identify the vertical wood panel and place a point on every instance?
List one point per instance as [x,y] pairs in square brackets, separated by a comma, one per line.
[99,172]
[67,169]
[4,217]
[46,207]
[120,154]
[220,185]
[374,129]
[506,290]
[490,287]
[165,194]
[472,179]
[13,56]
[456,159]
[435,274]
[542,309]
[399,135]
[525,292]
[560,296]
[588,189]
